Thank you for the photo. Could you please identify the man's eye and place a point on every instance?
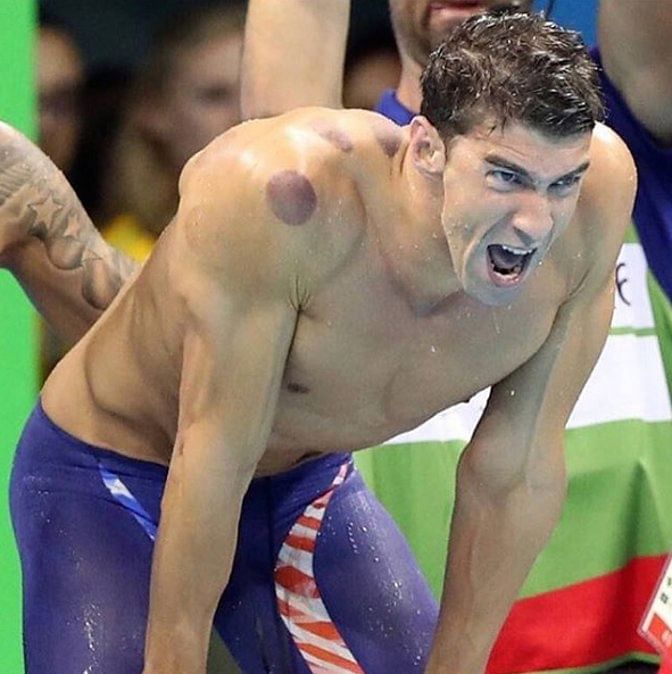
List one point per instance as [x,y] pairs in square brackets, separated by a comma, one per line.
[505,177]
[566,184]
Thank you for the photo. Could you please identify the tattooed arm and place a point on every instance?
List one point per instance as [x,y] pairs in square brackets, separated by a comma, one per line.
[49,243]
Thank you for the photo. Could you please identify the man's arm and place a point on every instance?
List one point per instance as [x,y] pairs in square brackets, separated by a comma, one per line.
[243,271]
[294,55]
[635,40]
[511,477]
[49,243]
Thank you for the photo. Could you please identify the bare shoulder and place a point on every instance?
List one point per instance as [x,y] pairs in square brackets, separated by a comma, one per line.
[362,134]
[361,146]
[607,197]
[611,181]
[354,141]
[271,196]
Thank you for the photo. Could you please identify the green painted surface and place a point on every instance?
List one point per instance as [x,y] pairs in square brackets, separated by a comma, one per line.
[17,325]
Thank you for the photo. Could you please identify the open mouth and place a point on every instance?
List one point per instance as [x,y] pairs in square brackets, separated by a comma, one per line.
[508,263]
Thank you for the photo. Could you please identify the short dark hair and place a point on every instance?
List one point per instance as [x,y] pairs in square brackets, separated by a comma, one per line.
[511,67]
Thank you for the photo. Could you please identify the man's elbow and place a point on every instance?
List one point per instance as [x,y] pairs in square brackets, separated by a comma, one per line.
[536,486]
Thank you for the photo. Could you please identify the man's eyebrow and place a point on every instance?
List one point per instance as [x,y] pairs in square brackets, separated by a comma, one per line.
[496,160]
[581,168]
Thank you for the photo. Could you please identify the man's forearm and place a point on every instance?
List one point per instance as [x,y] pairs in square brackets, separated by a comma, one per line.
[49,243]
[191,565]
[495,538]
[294,55]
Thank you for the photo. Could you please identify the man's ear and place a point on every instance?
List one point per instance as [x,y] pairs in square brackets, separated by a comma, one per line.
[428,151]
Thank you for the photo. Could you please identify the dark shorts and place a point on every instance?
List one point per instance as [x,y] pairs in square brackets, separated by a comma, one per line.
[322,580]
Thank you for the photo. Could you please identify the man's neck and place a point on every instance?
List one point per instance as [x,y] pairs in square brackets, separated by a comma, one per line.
[414,244]
[409,93]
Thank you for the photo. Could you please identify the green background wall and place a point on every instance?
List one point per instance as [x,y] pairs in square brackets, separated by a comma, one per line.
[17,324]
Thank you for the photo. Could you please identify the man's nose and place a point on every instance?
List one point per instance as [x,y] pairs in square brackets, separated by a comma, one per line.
[533,219]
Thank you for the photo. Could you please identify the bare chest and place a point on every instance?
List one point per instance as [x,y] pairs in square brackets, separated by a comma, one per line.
[366,365]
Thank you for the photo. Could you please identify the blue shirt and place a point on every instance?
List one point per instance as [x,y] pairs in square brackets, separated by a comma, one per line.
[390,107]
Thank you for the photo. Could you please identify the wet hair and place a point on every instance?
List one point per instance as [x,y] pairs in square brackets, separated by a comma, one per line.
[511,67]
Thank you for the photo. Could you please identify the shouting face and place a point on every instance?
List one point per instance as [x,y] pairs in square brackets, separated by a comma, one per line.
[508,194]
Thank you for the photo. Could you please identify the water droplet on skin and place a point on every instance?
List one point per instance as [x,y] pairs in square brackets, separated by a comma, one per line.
[351,538]
[496,323]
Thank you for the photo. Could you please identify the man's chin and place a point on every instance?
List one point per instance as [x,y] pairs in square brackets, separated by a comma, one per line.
[491,294]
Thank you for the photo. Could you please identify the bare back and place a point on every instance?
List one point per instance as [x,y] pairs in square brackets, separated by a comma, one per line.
[371,353]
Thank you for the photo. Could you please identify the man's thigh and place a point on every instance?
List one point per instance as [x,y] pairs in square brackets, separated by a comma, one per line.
[85,544]
[86,588]
[382,612]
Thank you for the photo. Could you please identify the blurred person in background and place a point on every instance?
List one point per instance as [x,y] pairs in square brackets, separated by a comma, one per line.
[59,77]
[281,47]
[637,84]
[185,93]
